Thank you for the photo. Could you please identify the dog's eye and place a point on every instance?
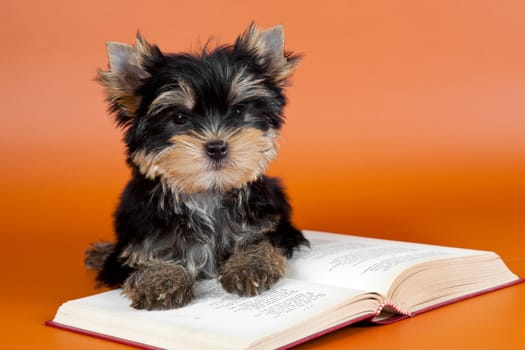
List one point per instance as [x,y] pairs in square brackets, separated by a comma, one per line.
[180,119]
[239,110]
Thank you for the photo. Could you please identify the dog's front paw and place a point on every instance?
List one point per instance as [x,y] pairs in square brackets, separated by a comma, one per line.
[159,286]
[253,269]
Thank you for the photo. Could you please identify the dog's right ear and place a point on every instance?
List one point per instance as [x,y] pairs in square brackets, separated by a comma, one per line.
[129,67]
[268,48]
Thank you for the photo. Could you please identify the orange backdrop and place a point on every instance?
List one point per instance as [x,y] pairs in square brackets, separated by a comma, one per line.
[406,121]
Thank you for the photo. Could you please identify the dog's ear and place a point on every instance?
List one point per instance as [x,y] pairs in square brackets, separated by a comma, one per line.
[268,48]
[129,66]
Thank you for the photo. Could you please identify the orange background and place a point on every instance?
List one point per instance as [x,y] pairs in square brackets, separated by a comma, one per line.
[406,121]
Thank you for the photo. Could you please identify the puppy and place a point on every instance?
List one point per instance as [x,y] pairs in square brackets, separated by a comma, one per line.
[200,131]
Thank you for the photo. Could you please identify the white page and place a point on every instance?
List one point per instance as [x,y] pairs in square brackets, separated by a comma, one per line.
[362,263]
[219,316]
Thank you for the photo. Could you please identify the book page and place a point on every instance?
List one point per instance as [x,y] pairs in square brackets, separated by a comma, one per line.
[214,314]
[362,263]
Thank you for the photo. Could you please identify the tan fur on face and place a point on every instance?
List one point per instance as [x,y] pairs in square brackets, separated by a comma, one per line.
[185,167]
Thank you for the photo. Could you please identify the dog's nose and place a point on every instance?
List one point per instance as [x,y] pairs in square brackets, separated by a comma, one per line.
[217,150]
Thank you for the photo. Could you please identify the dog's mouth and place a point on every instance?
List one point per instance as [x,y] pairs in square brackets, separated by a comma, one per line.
[218,165]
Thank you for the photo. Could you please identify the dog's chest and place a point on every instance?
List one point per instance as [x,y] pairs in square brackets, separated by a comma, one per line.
[209,215]
[210,226]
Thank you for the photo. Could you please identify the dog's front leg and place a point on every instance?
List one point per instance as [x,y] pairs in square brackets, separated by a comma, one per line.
[159,285]
[254,267]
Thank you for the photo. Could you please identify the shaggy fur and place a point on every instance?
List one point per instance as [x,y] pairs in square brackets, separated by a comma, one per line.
[200,131]
[252,268]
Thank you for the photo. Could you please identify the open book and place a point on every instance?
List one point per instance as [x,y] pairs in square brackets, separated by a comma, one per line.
[339,281]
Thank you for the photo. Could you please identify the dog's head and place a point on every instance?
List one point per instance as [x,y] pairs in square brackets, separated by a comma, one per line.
[201,122]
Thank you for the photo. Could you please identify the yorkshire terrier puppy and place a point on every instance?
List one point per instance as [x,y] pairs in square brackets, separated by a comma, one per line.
[200,130]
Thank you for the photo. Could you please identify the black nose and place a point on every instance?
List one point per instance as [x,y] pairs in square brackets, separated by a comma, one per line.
[217,150]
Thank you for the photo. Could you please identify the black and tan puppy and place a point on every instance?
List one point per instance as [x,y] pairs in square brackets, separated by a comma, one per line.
[200,130]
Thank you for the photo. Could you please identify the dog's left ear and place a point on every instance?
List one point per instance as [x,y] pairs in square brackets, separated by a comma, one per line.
[268,48]
[129,67]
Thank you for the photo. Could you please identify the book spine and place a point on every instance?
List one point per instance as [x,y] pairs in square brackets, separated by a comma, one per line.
[398,314]
[391,307]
